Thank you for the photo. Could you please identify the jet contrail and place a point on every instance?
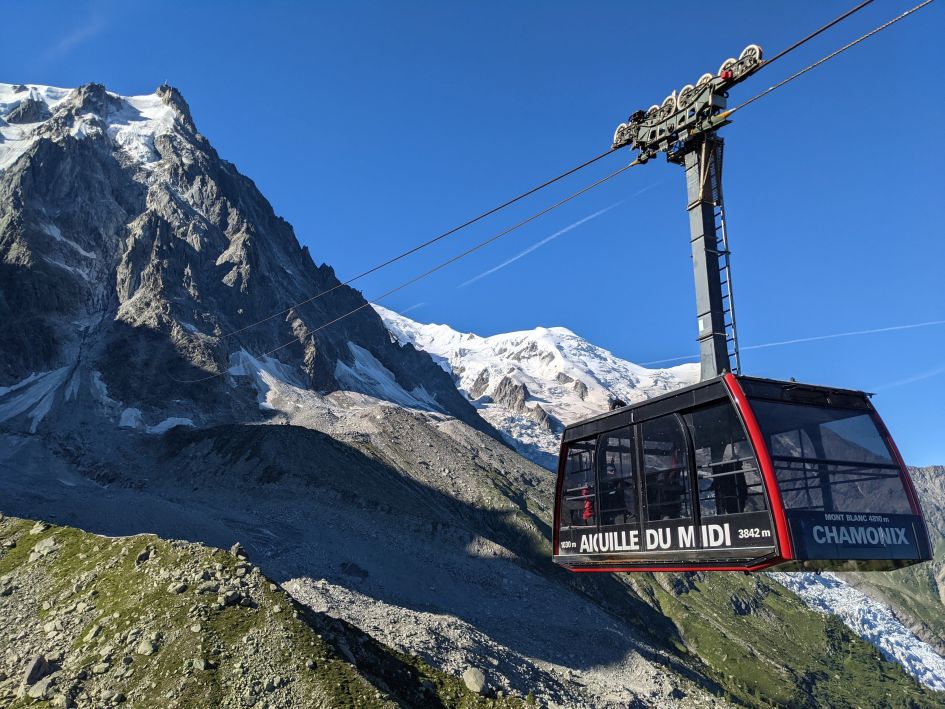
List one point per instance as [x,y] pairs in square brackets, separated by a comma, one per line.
[539,244]
[413,307]
[909,380]
[811,339]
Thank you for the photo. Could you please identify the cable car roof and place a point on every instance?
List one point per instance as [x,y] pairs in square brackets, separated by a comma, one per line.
[712,390]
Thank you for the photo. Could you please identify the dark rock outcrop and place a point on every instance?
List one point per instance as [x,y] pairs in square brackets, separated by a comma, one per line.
[155,271]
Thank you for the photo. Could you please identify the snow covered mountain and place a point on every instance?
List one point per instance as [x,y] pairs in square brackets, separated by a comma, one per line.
[531,384]
[140,273]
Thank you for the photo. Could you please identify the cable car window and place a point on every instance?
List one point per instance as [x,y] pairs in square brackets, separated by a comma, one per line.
[666,469]
[728,476]
[830,459]
[578,499]
[617,478]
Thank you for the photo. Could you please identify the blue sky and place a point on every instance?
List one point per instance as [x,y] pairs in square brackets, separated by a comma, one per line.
[374,126]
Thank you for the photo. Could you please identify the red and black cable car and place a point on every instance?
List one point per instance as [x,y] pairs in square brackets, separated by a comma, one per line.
[737,473]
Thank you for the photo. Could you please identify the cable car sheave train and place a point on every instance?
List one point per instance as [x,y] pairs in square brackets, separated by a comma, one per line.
[737,473]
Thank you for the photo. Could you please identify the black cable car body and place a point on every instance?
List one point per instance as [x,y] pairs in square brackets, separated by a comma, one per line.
[737,474]
[734,473]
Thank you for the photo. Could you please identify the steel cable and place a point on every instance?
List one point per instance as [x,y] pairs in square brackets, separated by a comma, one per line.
[424,245]
[610,176]
[813,34]
[830,56]
[430,271]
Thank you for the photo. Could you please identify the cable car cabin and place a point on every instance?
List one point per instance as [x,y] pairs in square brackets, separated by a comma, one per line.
[737,473]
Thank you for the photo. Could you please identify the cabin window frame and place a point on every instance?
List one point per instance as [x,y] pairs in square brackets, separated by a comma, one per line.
[635,472]
[691,429]
[689,468]
[635,423]
[795,473]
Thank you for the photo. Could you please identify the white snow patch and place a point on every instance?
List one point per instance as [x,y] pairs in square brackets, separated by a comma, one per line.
[132,127]
[99,388]
[19,385]
[267,374]
[130,418]
[15,139]
[72,388]
[567,376]
[135,127]
[85,126]
[872,621]
[55,233]
[35,396]
[169,423]
[368,376]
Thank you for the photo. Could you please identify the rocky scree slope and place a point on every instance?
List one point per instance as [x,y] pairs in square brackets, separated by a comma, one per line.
[95,621]
[129,251]
[434,538]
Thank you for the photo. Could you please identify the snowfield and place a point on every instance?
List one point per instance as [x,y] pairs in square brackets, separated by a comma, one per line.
[530,384]
[133,126]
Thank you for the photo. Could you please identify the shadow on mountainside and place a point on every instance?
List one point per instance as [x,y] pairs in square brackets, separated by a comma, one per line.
[306,504]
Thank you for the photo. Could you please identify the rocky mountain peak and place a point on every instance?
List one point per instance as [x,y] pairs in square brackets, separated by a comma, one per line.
[172,96]
[137,264]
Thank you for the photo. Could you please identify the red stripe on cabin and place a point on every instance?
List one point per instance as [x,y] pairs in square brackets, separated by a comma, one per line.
[785,547]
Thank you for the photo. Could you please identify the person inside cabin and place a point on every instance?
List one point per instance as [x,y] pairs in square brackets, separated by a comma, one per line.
[587,514]
[613,506]
[731,490]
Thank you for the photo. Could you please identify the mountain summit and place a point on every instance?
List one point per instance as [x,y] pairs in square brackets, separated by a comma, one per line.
[531,384]
[135,262]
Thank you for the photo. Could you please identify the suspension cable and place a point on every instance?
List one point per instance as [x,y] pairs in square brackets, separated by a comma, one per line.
[813,34]
[441,265]
[425,244]
[551,181]
[521,196]
[830,56]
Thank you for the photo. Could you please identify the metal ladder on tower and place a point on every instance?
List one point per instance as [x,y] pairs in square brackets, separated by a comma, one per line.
[724,253]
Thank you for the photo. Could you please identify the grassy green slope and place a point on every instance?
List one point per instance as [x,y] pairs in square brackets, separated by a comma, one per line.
[117,627]
[767,648]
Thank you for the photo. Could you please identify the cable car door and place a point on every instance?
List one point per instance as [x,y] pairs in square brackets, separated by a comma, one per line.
[668,525]
[618,493]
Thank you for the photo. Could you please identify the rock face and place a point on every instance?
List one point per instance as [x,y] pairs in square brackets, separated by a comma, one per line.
[134,262]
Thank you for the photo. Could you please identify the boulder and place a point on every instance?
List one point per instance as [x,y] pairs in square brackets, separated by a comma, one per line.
[38,668]
[145,647]
[43,688]
[43,548]
[475,680]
